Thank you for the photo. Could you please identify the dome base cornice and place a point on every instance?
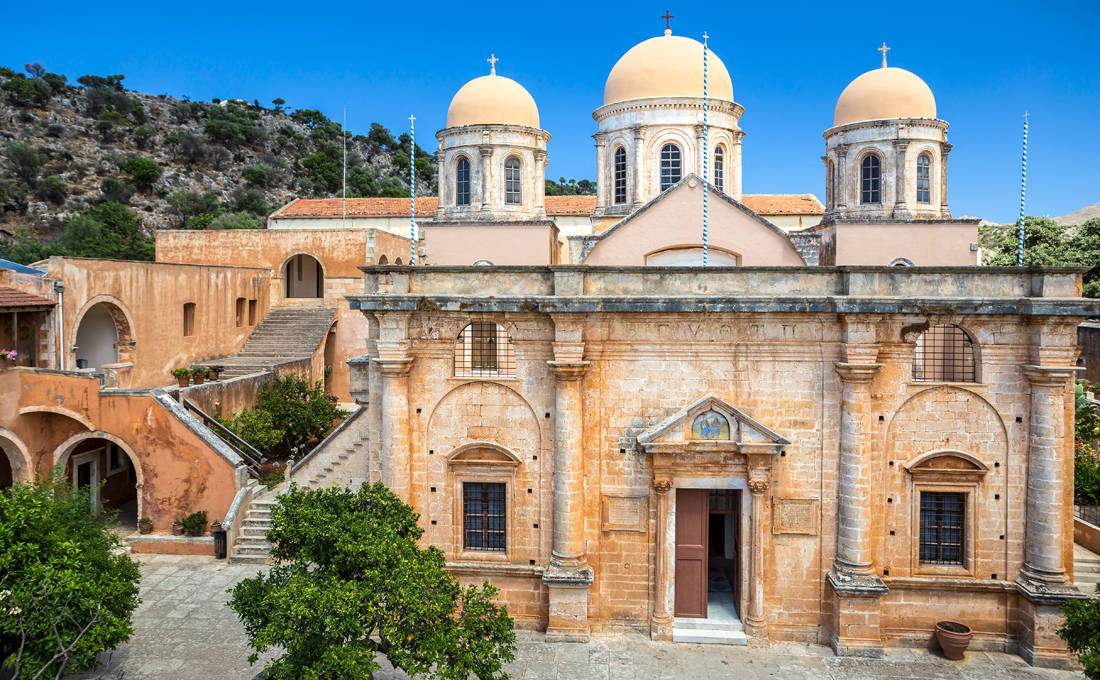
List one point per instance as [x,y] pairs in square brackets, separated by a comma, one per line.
[665,103]
[880,122]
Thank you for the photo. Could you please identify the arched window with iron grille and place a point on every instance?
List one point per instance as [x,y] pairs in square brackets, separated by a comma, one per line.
[945,353]
[512,192]
[871,179]
[462,182]
[619,178]
[924,178]
[720,167]
[670,165]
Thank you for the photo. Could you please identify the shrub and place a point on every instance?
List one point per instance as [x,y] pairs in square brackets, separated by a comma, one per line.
[142,135]
[53,189]
[191,148]
[351,583]
[257,175]
[25,91]
[201,221]
[302,412]
[25,161]
[232,125]
[195,523]
[109,230]
[235,220]
[56,81]
[324,170]
[68,589]
[181,372]
[143,170]
[257,428]
[103,82]
[253,201]
[116,190]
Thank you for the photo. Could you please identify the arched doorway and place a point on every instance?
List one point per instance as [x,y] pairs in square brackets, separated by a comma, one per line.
[330,357]
[102,336]
[104,464]
[15,465]
[304,277]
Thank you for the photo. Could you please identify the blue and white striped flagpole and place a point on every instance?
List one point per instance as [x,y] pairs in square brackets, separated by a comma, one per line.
[706,189]
[412,189]
[1023,199]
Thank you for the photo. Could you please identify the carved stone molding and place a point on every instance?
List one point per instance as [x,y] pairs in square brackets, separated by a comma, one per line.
[758,486]
[662,486]
[857,373]
[568,370]
[394,367]
[1049,376]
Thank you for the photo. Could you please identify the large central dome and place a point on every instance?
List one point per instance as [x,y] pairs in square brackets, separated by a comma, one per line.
[493,100]
[667,66]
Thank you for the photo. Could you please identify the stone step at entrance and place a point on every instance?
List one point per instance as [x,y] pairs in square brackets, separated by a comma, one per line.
[251,546]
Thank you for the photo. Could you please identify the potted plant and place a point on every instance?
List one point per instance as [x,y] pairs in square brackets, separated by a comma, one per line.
[145,525]
[215,372]
[198,374]
[954,637]
[177,527]
[183,375]
[195,523]
[216,525]
[7,358]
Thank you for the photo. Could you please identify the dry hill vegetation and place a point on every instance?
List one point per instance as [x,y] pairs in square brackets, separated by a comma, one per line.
[91,168]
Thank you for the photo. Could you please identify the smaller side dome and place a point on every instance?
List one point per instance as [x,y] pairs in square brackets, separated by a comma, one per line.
[886,92]
[493,100]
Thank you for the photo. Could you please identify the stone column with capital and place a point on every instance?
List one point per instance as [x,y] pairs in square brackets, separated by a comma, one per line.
[538,192]
[756,625]
[486,156]
[901,190]
[639,184]
[856,587]
[945,212]
[568,576]
[841,177]
[660,623]
[602,179]
[1042,580]
[701,169]
[393,362]
[735,166]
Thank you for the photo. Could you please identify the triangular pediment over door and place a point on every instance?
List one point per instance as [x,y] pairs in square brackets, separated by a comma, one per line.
[711,424]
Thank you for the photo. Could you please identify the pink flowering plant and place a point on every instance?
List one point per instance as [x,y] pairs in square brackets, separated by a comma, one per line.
[8,354]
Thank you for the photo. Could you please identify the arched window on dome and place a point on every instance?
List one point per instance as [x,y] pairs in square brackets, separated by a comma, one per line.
[462,182]
[924,178]
[619,176]
[670,165]
[871,180]
[512,194]
[720,167]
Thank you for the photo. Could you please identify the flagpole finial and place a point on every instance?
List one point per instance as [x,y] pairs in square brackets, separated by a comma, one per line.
[492,64]
[884,49]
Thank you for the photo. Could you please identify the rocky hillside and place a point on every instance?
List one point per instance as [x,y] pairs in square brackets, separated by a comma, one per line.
[66,148]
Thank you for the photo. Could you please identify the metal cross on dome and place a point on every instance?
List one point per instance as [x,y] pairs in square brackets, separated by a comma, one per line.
[492,64]
[884,49]
[668,16]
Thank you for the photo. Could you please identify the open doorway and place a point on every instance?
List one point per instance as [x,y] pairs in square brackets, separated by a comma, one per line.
[304,277]
[107,471]
[708,555]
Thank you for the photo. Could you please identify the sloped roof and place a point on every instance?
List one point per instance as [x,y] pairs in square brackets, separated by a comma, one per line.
[11,298]
[21,268]
[762,204]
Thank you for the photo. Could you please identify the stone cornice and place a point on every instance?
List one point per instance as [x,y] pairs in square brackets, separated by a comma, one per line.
[666,103]
[1049,376]
[857,373]
[394,367]
[887,122]
[568,370]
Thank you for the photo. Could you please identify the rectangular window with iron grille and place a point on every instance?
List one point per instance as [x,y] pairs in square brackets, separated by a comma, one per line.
[483,516]
[620,175]
[871,180]
[462,182]
[942,518]
[944,353]
[924,179]
[484,349]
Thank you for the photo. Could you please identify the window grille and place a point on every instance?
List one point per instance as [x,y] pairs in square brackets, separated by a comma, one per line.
[620,175]
[941,527]
[484,350]
[462,182]
[944,354]
[511,182]
[924,179]
[871,184]
[670,165]
[483,516]
[719,167]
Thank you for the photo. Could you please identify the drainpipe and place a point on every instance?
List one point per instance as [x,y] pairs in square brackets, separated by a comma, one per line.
[59,288]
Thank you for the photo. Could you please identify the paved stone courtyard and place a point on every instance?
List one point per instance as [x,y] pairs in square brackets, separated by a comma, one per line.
[184,631]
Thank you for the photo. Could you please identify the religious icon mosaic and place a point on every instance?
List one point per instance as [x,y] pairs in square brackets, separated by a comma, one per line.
[710,425]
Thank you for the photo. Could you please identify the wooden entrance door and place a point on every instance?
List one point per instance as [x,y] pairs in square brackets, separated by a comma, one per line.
[692,511]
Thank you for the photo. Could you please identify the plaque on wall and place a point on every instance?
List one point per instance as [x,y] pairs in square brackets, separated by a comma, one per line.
[624,513]
[794,516]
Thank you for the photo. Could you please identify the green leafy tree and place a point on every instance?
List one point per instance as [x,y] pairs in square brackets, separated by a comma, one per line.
[1046,243]
[311,118]
[303,413]
[324,170]
[53,189]
[258,175]
[253,201]
[143,135]
[25,249]
[25,161]
[351,583]
[25,91]
[235,220]
[256,427]
[115,190]
[189,204]
[108,230]
[103,82]
[570,187]
[278,102]
[144,171]
[67,589]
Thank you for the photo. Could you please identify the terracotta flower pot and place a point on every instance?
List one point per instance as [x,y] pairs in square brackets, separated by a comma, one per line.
[198,378]
[177,529]
[184,380]
[146,528]
[954,638]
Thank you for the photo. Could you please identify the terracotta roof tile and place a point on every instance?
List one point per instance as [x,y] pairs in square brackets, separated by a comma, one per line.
[11,298]
[783,204]
[766,204]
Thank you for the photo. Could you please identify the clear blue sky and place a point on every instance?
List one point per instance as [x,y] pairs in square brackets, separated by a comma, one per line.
[986,62]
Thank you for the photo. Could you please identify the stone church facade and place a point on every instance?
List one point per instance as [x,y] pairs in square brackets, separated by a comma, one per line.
[887,449]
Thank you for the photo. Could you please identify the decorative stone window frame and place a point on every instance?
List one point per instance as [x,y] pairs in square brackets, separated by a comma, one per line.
[483,462]
[925,477]
[858,169]
[521,172]
[910,338]
[459,158]
[505,374]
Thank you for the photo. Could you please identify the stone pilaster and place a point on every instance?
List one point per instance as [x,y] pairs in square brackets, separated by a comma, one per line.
[856,588]
[603,179]
[901,191]
[660,623]
[444,184]
[735,166]
[568,577]
[945,212]
[486,157]
[395,424]
[841,195]
[538,193]
[639,192]
[700,152]
[1042,580]
[756,624]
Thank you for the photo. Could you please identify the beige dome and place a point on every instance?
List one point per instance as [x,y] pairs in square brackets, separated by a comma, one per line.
[667,66]
[886,92]
[493,100]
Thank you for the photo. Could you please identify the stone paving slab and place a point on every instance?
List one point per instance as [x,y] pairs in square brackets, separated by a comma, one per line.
[184,631]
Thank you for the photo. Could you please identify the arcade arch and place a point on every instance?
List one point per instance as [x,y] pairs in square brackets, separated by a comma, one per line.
[103,335]
[91,458]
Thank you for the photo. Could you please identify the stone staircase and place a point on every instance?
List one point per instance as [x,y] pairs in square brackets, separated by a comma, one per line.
[1086,569]
[251,546]
[334,471]
[285,334]
[708,632]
